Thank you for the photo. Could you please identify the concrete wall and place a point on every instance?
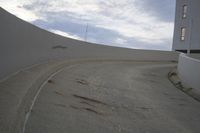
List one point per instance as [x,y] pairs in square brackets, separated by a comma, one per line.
[192,24]
[23,44]
[196,56]
[189,71]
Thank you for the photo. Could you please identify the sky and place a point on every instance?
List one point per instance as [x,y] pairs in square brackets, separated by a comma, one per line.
[138,24]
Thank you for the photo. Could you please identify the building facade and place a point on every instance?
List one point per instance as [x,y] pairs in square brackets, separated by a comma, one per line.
[187,26]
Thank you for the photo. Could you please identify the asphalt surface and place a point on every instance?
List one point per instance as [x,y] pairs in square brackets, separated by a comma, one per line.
[113,97]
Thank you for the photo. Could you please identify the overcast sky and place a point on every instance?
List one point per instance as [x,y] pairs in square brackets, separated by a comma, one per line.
[140,24]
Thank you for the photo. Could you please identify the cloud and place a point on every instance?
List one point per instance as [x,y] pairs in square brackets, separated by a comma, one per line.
[94,34]
[164,9]
[120,41]
[65,34]
[16,7]
[147,22]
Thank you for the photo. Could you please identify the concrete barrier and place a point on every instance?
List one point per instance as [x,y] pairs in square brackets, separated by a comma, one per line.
[23,44]
[189,71]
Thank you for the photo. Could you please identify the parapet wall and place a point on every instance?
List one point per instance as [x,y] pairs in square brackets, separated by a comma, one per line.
[23,44]
[189,71]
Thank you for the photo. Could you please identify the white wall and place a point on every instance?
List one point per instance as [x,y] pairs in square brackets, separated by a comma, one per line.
[189,71]
[22,44]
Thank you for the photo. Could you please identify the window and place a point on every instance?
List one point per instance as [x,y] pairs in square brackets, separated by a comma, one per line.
[183,31]
[184,15]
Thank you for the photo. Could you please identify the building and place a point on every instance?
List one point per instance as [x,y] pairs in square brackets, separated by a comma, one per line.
[187,26]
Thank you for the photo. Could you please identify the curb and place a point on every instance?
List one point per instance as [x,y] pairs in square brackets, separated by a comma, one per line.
[175,80]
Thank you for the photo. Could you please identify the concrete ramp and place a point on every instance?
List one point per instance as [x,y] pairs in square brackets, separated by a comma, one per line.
[23,44]
[53,84]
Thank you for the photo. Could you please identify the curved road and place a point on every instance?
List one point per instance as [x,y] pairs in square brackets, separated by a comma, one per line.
[113,97]
[96,97]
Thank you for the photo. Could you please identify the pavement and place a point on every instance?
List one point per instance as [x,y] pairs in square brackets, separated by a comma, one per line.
[96,97]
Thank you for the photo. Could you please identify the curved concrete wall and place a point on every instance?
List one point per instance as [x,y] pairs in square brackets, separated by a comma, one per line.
[23,44]
[189,71]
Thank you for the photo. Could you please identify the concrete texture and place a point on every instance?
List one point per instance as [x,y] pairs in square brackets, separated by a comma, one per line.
[78,87]
[96,96]
[191,23]
[195,56]
[17,93]
[22,45]
[176,81]
[189,71]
